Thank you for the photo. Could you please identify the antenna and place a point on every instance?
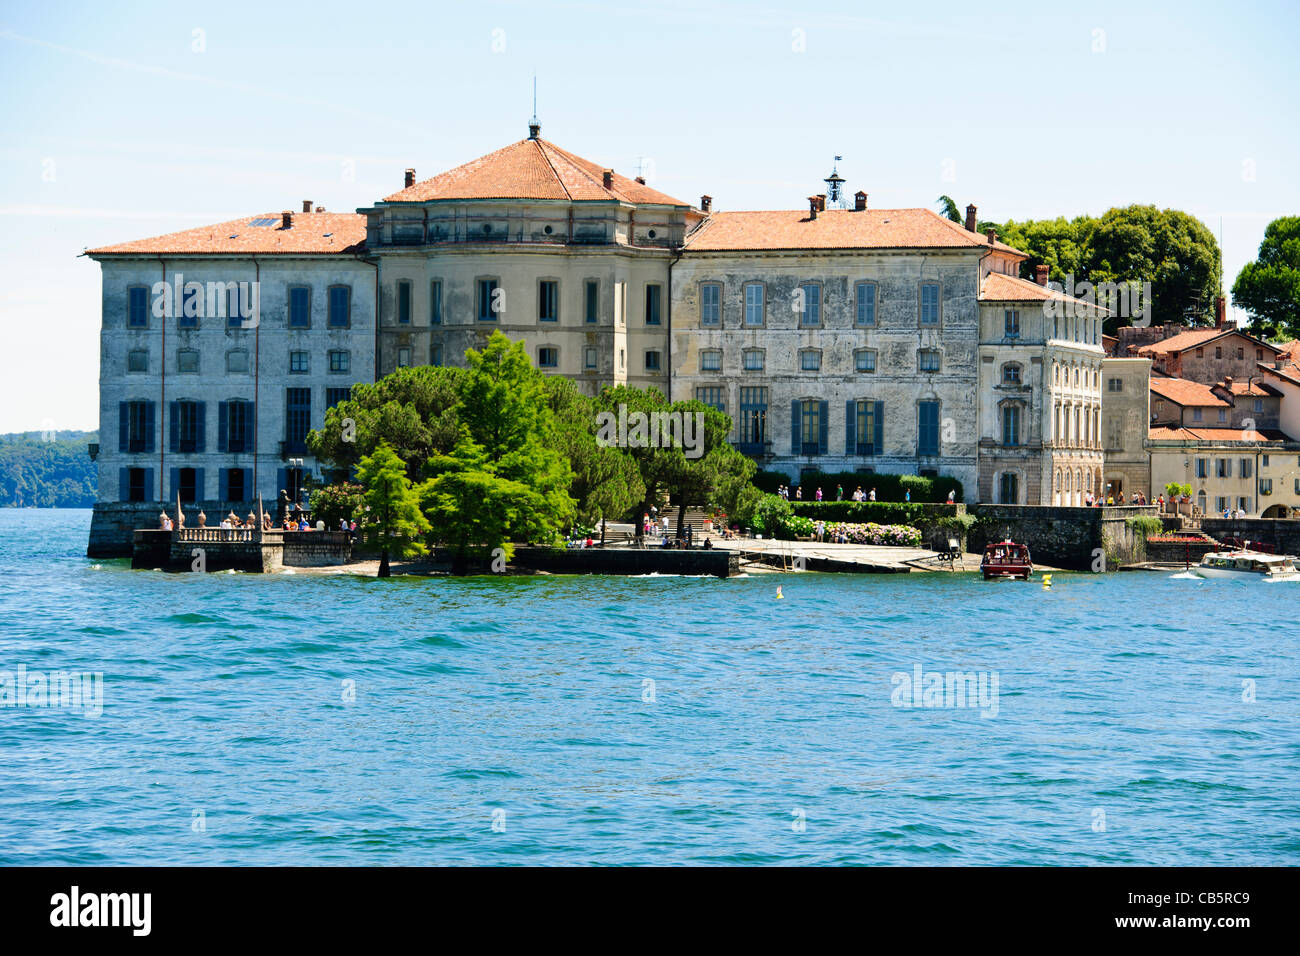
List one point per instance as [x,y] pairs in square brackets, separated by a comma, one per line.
[534,128]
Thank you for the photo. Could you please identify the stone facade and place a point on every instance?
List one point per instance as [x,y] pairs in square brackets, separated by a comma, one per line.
[1126,416]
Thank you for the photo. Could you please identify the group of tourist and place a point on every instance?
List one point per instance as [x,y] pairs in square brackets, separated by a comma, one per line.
[1092,501]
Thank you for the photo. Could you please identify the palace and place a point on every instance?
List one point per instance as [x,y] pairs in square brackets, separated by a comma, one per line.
[853,338]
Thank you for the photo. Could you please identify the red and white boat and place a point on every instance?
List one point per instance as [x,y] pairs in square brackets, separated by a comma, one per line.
[1006,559]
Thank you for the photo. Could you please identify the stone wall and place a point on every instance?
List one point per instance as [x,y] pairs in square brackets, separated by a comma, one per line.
[112,522]
[1070,538]
[1283,535]
[715,561]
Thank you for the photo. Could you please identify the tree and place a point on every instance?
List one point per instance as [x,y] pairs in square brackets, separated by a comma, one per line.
[948,208]
[1061,244]
[606,481]
[1269,288]
[394,520]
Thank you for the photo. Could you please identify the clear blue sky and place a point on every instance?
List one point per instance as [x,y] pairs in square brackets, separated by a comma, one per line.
[121,124]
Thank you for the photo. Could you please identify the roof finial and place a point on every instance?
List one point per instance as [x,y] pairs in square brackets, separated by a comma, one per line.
[534,128]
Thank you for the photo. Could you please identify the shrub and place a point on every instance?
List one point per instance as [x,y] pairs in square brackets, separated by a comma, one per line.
[794,526]
[1175,490]
[769,481]
[1145,525]
[769,512]
[888,487]
[890,535]
[329,503]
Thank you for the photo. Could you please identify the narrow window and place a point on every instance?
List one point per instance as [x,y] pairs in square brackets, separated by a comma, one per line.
[1011,324]
[340,307]
[812,304]
[488,304]
[548,301]
[435,302]
[866,292]
[403,303]
[299,307]
[297,420]
[929,303]
[754,303]
[589,357]
[710,303]
[137,307]
[403,357]
[927,435]
[652,304]
[591,301]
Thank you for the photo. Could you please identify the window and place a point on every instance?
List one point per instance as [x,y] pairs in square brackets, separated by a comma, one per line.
[1223,467]
[1246,465]
[652,360]
[753,419]
[620,358]
[1266,486]
[299,363]
[1259,355]
[488,301]
[185,484]
[548,301]
[435,354]
[137,308]
[927,432]
[239,306]
[753,360]
[404,357]
[297,419]
[435,302]
[811,301]
[1009,488]
[1196,414]
[1218,352]
[1241,352]
[1259,405]
[1011,374]
[808,427]
[403,302]
[589,357]
[237,361]
[711,395]
[929,303]
[710,303]
[548,356]
[1263,461]
[754,303]
[187,316]
[137,360]
[340,307]
[866,296]
[1223,415]
[336,395]
[653,304]
[1220,503]
[1114,385]
[299,307]
[711,360]
[186,429]
[135,426]
[810,360]
[1011,325]
[235,426]
[864,360]
[1011,425]
[1200,352]
[139,484]
[927,360]
[187,360]
[1202,467]
[865,427]
[236,488]
[340,360]
[591,301]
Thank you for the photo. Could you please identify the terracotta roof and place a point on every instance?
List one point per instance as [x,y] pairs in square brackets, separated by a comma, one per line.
[1196,337]
[999,287]
[1174,433]
[1289,374]
[532,169]
[1186,393]
[835,229]
[310,232]
[1249,388]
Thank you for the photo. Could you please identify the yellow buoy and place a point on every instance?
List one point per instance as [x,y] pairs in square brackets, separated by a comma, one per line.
[1047,582]
[779,595]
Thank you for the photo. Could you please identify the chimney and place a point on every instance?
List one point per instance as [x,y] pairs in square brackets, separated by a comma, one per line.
[970,218]
[859,201]
[812,207]
[320,208]
[306,205]
[821,202]
[706,203]
[1220,312]
[410,178]
[1279,360]
[992,236]
[641,180]
[608,179]
[286,220]
[1040,274]
[1227,382]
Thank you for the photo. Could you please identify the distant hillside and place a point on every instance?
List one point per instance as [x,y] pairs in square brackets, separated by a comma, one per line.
[36,473]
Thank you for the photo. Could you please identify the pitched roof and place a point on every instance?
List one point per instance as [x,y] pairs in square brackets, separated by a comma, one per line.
[309,232]
[1174,433]
[532,169]
[835,229]
[998,287]
[1249,388]
[1194,338]
[1185,392]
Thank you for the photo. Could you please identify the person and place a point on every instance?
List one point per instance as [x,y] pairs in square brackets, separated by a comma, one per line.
[665,526]
[164,522]
[872,496]
[839,492]
[820,531]
[1160,502]
[952,496]
[907,495]
[819,493]
[225,524]
[798,493]
[343,524]
[708,544]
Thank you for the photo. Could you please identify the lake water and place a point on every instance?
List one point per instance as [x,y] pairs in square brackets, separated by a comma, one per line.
[1138,718]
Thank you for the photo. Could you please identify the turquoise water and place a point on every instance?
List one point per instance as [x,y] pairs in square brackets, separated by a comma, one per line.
[771,735]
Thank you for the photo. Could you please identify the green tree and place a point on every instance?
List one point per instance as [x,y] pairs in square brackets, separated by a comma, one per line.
[948,208]
[1269,288]
[606,481]
[394,521]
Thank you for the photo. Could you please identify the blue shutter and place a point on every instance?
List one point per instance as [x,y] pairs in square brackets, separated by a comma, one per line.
[850,428]
[223,484]
[223,417]
[173,483]
[149,424]
[878,439]
[822,436]
[124,482]
[123,426]
[198,484]
[174,442]
[796,425]
[148,484]
[200,426]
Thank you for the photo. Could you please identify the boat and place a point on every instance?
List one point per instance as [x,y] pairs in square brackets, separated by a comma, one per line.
[1244,565]
[1006,559]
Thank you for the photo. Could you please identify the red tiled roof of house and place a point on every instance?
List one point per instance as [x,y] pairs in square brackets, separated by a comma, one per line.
[532,169]
[1249,388]
[835,229]
[1186,393]
[1197,337]
[308,233]
[999,287]
[1175,433]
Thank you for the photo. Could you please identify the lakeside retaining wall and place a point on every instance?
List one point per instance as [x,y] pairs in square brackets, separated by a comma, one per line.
[211,549]
[1067,538]
[1282,534]
[113,523]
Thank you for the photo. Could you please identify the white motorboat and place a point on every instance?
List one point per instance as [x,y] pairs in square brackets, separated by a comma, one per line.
[1246,564]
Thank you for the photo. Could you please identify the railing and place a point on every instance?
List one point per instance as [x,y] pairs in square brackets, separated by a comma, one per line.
[213,535]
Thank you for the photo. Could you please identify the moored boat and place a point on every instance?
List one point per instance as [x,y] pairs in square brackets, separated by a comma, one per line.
[1006,559]
[1247,565]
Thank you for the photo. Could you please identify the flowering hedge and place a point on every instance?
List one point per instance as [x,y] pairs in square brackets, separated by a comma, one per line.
[896,535]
